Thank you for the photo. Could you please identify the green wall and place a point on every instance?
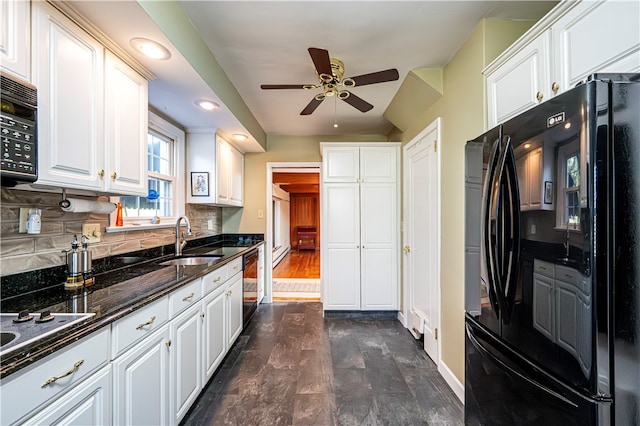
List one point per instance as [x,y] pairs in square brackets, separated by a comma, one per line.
[462,109]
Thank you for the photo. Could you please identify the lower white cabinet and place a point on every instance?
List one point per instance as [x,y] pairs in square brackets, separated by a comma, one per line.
[87,404]
[186,358]
[234,304]
[141,382]
[214,329]
[29,392]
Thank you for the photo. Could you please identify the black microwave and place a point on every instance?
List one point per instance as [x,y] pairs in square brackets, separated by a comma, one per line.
[18,116]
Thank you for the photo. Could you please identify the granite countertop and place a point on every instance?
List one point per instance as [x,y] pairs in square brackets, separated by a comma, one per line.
[114,294]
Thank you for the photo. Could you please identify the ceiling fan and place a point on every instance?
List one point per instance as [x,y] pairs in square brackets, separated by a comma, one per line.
[329,72]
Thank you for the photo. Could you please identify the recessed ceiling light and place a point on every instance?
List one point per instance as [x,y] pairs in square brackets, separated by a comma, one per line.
[208,105]
[150,48]
[527,145]
[240,137]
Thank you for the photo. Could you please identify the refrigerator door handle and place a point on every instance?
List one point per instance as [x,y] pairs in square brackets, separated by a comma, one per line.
[487,221]
[511,237]
[487,353]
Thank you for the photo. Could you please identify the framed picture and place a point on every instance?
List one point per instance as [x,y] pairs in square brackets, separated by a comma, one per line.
[548,192]
[200,184]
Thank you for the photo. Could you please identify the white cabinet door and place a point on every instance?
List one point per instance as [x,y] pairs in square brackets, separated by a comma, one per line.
[87,404]
[68,72]
[379,239]
[186,361]
[141,382]
[341,243]
[125,129]
[341,164]
[15,38]
[223,167]
[607,30]
[236,177]
[214,331]
[568,311]
[544,306]
[378,164]
[234,305]
[520,83]
[522,167]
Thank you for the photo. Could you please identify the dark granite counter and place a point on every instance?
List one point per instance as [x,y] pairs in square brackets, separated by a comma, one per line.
[122,285]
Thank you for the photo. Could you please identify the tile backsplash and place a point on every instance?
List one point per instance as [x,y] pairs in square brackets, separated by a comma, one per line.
[26,252]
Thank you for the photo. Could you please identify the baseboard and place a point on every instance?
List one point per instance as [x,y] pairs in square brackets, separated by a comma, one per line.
[402,319]
[456,386]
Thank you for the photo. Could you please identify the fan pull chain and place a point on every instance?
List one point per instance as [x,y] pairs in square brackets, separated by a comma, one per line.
[335,112]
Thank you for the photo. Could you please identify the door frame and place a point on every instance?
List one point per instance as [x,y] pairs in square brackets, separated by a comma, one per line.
[434,126]
[268,252]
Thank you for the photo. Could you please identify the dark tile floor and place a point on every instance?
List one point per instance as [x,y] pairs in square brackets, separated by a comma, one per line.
[291,366]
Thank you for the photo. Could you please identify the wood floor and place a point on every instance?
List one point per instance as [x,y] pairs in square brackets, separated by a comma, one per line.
[299,264]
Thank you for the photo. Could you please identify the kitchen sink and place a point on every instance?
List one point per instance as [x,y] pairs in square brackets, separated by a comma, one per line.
[191,261]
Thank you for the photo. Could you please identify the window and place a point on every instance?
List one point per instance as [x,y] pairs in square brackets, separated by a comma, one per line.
[568,215]
[165,151]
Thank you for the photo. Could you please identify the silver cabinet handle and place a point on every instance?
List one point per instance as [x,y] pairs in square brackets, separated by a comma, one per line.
[68,373]
[168,343]
[151,320]
[217,279]
[189,297]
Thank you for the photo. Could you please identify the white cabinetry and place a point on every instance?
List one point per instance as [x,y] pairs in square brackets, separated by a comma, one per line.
[45,384]
[534,169]
[562,308]
[214,329]
[208,152]
[186,360]
[87,404]
[550,58]
[141,382]
[360,210]
[93,110]
[15,48]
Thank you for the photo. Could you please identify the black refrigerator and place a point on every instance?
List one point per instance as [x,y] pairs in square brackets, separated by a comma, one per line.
[552,261]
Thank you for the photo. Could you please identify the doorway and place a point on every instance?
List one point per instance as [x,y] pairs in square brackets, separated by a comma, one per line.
[293,232]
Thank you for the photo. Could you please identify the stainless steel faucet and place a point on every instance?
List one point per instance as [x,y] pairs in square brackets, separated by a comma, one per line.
[566,242]
[180,238]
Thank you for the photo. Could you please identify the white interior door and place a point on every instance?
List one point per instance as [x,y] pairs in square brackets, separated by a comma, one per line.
[422,238]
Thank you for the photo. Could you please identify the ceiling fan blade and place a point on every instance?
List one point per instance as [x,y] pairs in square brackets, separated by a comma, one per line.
[282,86]
[311,106]
[320,58]
[376,77]
[358,103]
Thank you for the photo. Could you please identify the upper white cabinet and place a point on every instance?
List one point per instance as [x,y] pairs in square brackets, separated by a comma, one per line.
[359,164]
[360,211]
[574,40]
[15,48]
[535,169]
[92,110]
[220,165]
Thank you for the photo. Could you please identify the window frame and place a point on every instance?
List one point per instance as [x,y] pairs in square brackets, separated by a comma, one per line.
[165,128]
[565,152]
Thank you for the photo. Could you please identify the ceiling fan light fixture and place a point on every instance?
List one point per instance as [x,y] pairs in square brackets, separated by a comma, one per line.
[348,82]
[319,97]
[150,49]
[343,94]
[310,87]
[207,105]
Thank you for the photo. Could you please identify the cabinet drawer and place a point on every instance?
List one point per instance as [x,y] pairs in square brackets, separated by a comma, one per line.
[184,297]
[213,279]
[543,268]
[48,378]
[138,325]
[573,277]
[235,266]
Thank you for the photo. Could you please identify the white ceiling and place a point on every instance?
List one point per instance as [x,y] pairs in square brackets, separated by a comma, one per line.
[265,42]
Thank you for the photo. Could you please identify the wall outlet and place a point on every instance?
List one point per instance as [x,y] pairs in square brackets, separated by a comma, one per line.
[92,232]
[533,229]
[24,216]
[210,225]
